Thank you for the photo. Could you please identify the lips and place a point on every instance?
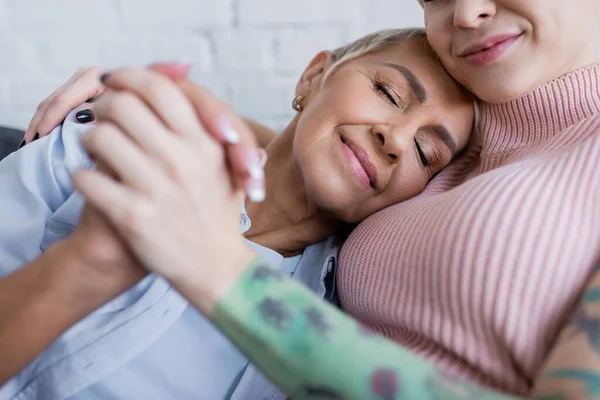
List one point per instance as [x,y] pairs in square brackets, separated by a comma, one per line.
[490,49]
[364,163]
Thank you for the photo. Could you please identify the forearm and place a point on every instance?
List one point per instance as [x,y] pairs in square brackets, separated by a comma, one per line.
[39,302]
[308,347]
[572,370]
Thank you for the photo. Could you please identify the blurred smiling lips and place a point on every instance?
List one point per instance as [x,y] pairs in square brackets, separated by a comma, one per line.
[488,50]
[359,161]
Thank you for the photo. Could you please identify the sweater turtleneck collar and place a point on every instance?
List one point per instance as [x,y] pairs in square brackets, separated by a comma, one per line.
[540,114]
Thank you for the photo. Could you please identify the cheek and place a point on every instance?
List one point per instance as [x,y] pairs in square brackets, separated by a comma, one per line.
[401,188]
[405,184]
[441,42]
[438,35]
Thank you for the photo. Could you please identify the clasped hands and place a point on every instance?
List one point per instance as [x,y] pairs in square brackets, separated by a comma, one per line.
[173,165]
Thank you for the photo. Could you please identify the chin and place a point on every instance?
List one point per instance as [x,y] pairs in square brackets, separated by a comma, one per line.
[334,200]
[502,84]
[498,93]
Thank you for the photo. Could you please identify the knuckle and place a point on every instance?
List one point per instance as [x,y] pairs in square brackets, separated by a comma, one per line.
[184,168]
[44,104]
[94,71]
[102,135]
[137,215]
[121,101]
[56,102]
[156,86]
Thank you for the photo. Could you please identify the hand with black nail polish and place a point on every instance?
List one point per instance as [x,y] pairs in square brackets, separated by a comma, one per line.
[82,86]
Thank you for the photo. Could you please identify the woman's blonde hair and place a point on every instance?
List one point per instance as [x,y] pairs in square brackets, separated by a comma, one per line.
[375,42]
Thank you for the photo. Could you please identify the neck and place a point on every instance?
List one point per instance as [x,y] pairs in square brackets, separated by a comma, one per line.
[541,114]
[287,221]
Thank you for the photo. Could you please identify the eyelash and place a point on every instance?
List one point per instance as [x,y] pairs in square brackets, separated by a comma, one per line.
[383,89]
[424,161]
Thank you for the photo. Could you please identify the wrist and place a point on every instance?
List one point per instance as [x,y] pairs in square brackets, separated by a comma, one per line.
[205,290]
[80,280]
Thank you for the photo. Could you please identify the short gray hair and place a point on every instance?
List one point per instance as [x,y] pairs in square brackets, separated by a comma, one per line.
[378,41]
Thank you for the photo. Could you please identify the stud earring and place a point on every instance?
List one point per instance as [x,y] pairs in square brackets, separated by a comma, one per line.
[297,103]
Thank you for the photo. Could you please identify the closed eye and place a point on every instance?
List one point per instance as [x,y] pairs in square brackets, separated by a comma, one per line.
[385,92]
[424,161]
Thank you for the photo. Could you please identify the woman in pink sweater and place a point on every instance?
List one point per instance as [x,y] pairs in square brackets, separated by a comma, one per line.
[517,234]
[489,275]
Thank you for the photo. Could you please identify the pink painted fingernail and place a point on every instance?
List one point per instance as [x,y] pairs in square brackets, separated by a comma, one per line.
[255,166]
[263,157]
[257,194]
[228,132]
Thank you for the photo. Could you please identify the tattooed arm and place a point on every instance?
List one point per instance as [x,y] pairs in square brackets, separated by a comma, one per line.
[573,369]
[312,350]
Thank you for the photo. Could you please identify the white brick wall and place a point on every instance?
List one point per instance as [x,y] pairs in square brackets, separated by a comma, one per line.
[249,52]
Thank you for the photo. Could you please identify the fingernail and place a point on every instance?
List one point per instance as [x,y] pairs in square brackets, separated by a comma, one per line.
[263,157]
[256,172]
[256,195]
[184,64]
[253,161]
[23,143]
[104,77]
[36,137]
[85,116]
[229,134]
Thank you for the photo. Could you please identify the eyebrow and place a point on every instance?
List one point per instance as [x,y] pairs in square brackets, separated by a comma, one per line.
[442,132]
[414,82]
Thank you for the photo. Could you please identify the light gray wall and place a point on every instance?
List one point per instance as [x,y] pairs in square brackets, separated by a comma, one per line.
[250,52]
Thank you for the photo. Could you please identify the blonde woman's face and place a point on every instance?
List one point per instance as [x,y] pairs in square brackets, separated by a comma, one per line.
[503,49]
[378,128]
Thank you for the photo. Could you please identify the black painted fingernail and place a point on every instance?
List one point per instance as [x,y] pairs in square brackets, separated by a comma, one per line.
[36,137]
[23,143]
[85,116]
[104,77]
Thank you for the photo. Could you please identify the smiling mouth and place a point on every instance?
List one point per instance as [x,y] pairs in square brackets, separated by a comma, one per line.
[490,50]
[360,163]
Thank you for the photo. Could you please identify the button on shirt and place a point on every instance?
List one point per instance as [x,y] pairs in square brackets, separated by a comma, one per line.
[148,342]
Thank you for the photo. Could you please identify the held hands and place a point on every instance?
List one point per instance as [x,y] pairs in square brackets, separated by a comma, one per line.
[172,198]
[85,85]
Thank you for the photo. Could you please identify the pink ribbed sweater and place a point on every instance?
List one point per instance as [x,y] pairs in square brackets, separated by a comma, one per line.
[479,272]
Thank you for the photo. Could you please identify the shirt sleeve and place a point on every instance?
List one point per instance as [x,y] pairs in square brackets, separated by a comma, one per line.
[310,349]
[34,182]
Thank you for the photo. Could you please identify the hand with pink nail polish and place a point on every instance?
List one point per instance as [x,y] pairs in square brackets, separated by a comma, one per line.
[164,182]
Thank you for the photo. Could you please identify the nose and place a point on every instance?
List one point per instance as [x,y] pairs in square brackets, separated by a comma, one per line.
[471,14]
[390,142]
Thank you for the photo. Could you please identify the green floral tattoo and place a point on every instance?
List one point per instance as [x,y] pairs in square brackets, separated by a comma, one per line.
[312,350]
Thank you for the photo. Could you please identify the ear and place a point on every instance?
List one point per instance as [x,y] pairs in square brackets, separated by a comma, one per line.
[313,74]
